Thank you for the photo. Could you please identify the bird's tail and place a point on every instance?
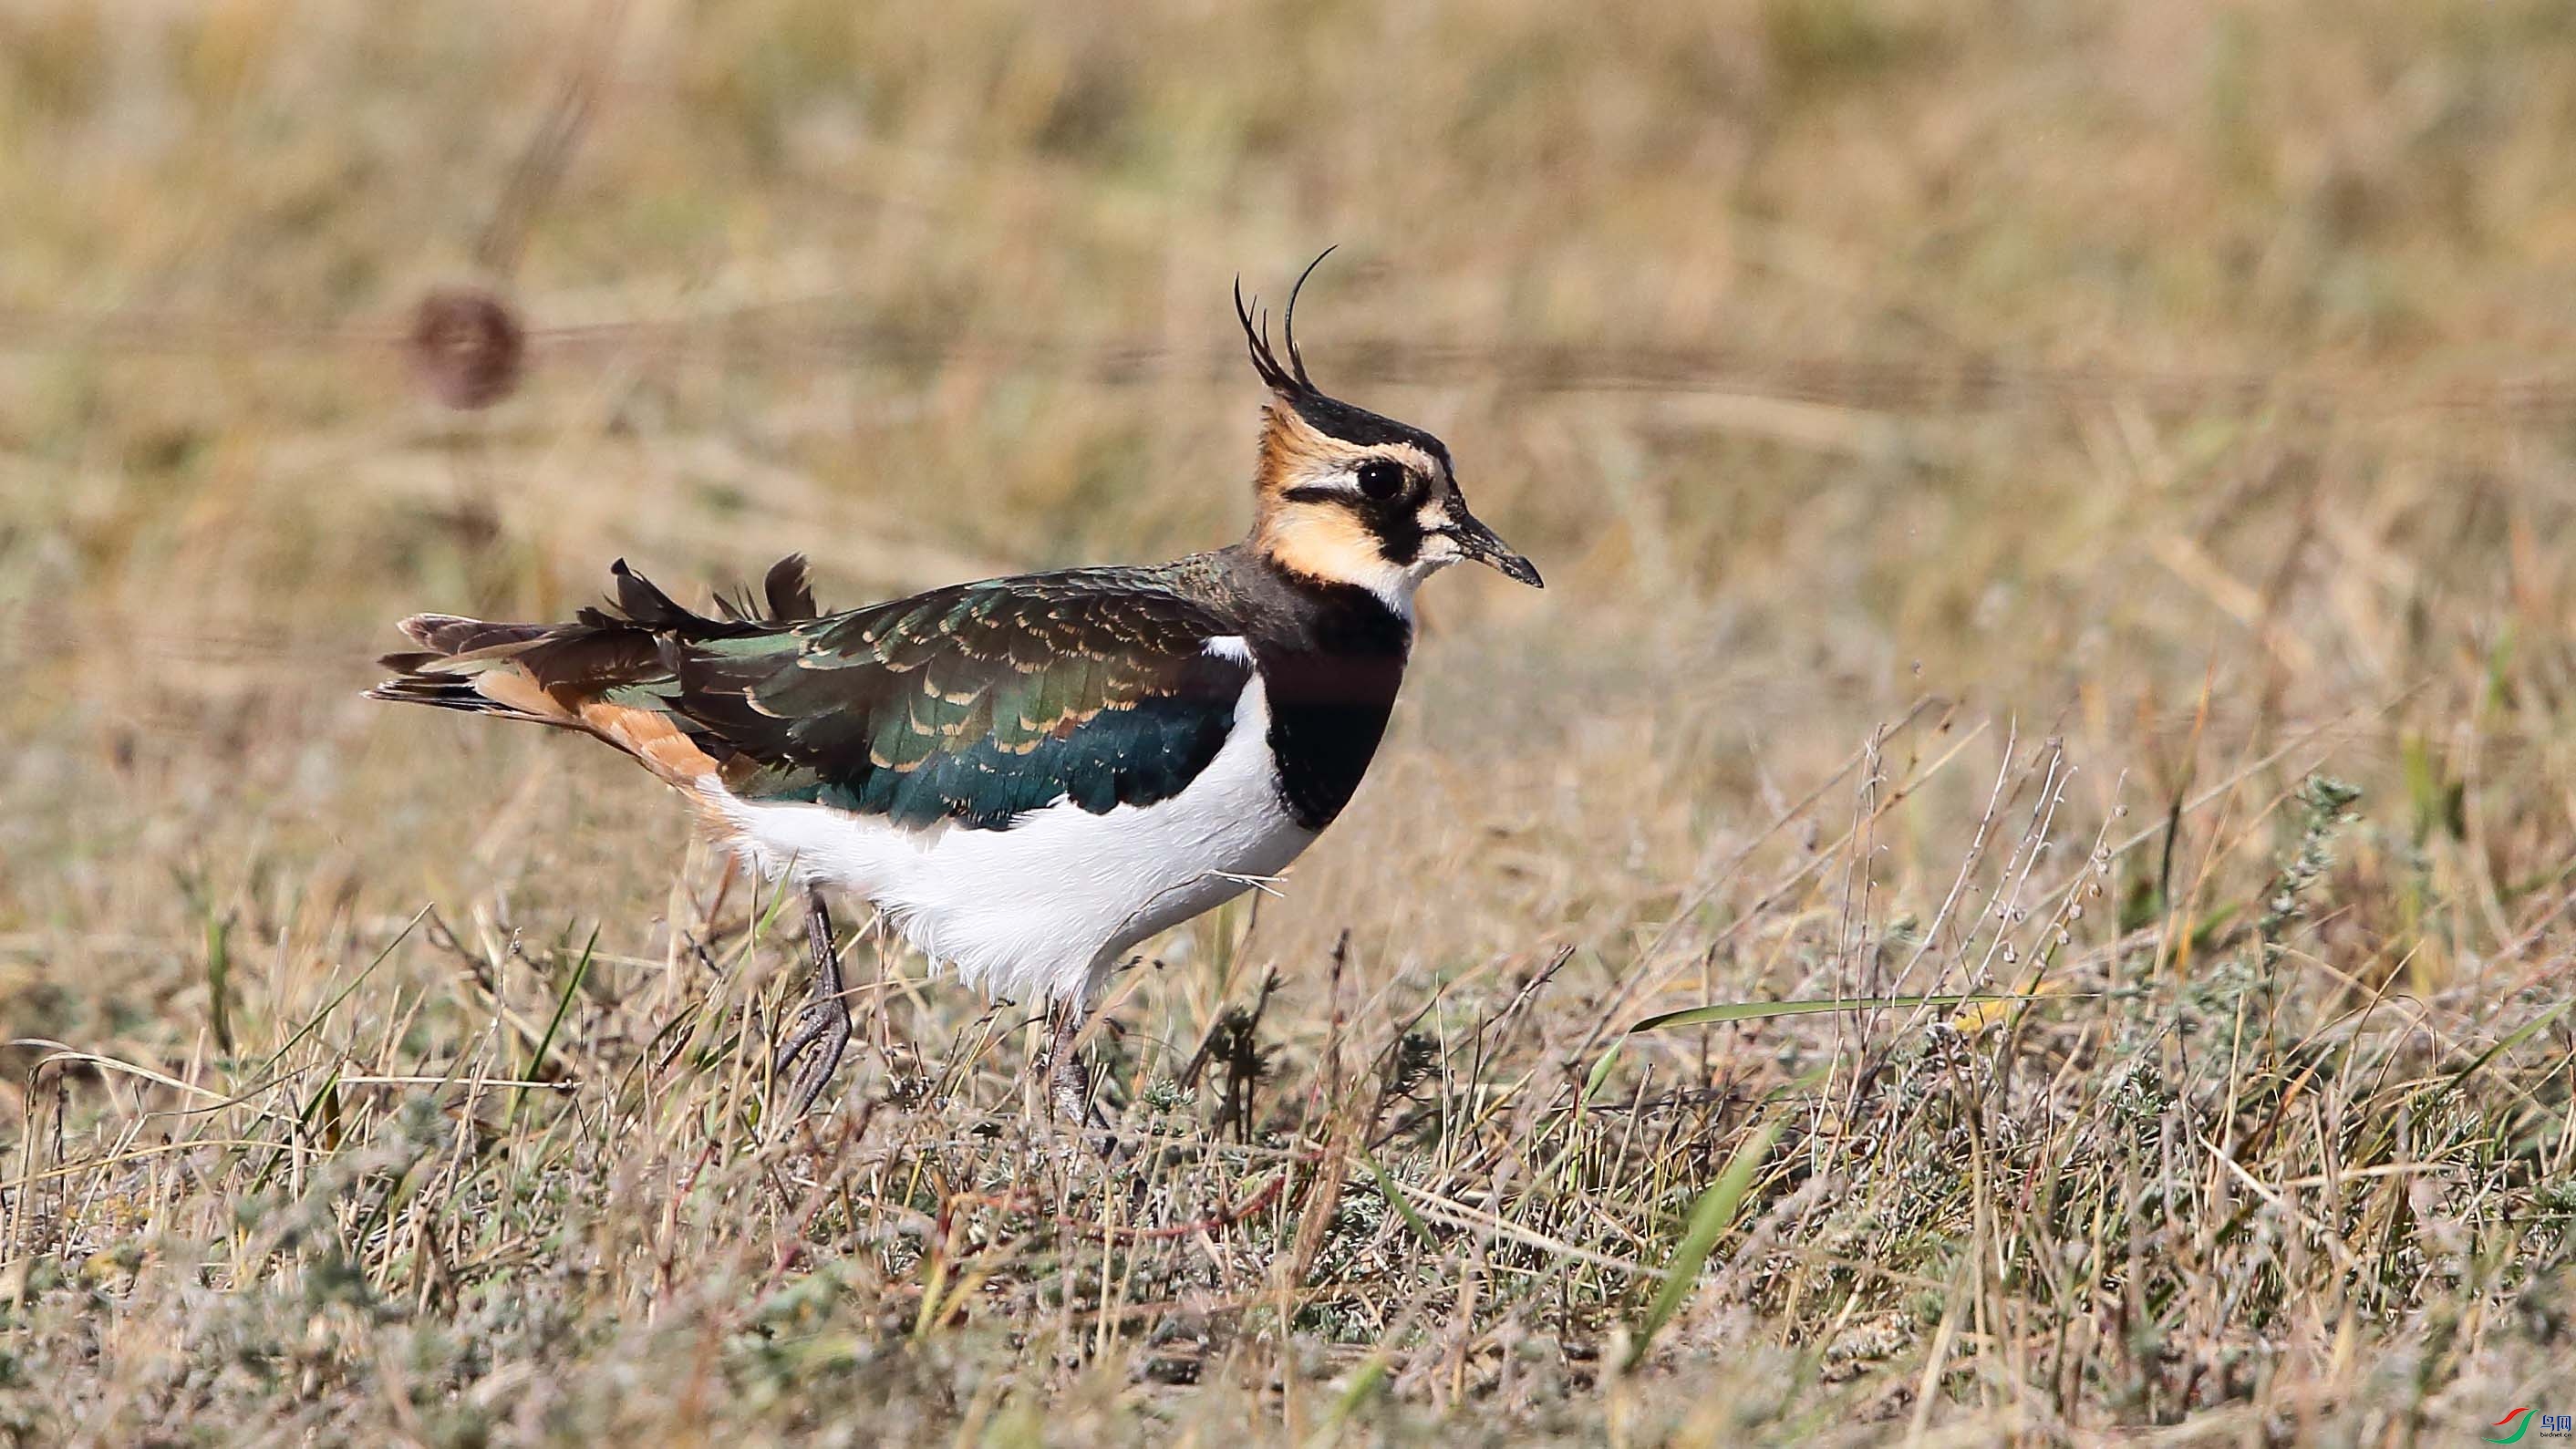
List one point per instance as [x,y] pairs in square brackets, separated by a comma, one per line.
[456,658]
[552,673]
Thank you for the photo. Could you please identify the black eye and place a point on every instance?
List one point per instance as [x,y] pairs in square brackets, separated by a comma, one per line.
[1381,480]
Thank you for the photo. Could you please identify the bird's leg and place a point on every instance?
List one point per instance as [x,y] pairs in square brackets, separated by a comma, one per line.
[824,1025]
[1069,1080]
[1068,1075]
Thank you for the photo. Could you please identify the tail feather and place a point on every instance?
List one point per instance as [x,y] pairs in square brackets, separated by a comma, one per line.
[546,672]
[467,680]
[445,691]
[447,634]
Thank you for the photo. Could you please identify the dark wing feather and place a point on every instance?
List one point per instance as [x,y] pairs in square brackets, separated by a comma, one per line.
[974,704]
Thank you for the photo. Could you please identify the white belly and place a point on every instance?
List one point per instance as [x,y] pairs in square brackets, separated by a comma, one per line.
[1044,908]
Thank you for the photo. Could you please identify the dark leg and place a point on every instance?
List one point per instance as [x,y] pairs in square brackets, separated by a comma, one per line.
[1069,1081]
[1068,1075]
[825,1022]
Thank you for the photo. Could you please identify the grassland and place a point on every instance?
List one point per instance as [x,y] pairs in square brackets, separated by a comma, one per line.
[2060,500]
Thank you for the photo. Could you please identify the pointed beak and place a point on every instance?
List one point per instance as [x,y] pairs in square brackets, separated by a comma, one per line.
[1478,542]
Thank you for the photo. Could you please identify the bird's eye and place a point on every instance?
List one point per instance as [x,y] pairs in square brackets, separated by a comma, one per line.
[1381,480]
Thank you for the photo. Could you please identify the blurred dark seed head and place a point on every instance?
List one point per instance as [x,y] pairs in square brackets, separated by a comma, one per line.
[1416,1054]
[466,346]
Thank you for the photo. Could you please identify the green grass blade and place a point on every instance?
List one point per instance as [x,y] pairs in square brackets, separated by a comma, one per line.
[2522,1034]
[219,979]
[1764,1010]
[1404,1206]
[1710,1217]
[314,1022]
[1365,1384]
[563,1007]
[1600,1071]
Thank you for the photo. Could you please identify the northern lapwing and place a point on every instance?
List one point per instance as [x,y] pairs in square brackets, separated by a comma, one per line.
[1026,776]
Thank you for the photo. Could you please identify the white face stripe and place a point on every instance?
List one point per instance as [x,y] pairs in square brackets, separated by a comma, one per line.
[1415,459]
[1420,463]
[1341,471]
[1330,539]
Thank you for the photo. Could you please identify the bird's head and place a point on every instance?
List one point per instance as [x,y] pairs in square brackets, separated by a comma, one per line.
[1342,495]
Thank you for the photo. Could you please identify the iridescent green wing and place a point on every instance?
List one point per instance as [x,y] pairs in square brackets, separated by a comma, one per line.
[974,704]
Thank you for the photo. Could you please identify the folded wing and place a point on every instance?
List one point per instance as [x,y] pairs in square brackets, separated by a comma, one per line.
[973,704]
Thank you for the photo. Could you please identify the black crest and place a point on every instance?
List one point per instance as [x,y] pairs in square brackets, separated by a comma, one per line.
[1290,380]
[1328,415]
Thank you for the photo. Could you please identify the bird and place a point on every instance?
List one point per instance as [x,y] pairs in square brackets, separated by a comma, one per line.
[1025,777]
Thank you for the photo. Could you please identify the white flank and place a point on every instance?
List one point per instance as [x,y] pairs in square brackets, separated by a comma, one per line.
[1229,646]
[1044,908]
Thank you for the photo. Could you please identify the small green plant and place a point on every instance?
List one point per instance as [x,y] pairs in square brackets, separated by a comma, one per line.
[2325,812]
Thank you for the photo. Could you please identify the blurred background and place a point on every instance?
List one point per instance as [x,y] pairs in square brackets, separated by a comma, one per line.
[2071,363]
[2183,383]
[2057,359]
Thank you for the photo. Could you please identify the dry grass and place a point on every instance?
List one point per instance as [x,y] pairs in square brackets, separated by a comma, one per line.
[1999,470]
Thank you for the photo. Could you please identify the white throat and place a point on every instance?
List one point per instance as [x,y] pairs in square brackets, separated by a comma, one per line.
[1394,583]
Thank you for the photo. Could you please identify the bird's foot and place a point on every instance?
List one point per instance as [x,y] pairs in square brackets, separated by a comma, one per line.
[823,1029]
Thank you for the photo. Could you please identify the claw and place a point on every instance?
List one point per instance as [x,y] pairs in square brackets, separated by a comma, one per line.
[826,1027]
